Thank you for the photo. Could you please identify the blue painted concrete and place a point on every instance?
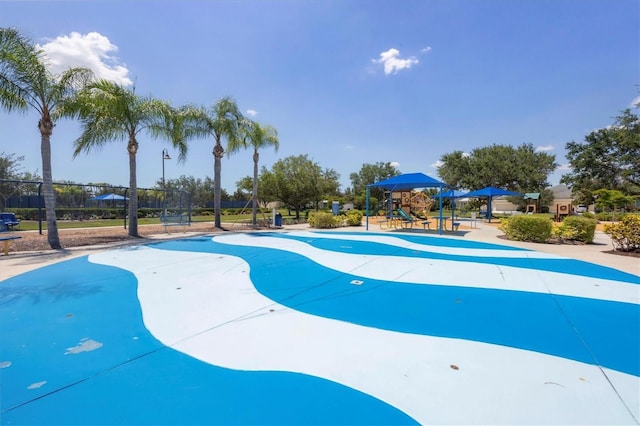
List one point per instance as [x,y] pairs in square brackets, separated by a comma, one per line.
[517,319]
[132,378]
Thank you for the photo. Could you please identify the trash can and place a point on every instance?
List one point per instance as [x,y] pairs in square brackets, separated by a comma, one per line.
[278,220]
[335,207]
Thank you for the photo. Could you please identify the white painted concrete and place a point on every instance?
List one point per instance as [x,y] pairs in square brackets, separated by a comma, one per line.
[206,306]
[448,272]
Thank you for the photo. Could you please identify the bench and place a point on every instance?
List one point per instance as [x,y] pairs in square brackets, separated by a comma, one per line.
[427,225]
[8,221]
[6,240]
[175,220]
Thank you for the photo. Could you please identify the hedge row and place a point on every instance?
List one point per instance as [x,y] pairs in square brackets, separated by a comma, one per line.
[625,235]
[325,220]
[541,229]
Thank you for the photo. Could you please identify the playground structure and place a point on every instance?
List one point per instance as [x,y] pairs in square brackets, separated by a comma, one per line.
[533,202]
[415,203]
[563,210]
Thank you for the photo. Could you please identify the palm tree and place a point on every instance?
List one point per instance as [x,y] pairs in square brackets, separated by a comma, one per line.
[10,43]
[221,121]
[110,112]
[253,135]
[25,82]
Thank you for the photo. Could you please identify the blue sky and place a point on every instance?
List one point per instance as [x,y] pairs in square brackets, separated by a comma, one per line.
[345,82]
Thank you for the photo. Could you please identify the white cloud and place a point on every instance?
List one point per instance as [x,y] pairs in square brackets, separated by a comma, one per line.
[426,50]
[436,164]
[393,63]
[395,164]
[635,102]
[252,112]
[564,167]
[545,148]
[92,50]
[349,147]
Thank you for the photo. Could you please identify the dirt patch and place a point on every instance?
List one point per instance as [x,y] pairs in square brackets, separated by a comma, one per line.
[580,243]
[635,254]
[78,237]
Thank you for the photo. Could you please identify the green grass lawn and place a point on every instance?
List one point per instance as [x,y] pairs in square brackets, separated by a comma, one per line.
[32,225]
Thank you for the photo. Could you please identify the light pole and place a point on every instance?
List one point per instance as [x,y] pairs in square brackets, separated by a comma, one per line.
[165,156]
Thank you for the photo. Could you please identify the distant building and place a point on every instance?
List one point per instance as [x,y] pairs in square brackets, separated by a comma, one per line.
[562,202]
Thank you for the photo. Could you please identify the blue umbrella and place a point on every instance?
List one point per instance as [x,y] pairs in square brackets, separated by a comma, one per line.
[110,196]
[491,192]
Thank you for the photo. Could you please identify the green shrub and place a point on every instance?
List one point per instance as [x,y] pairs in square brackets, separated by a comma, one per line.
[534,228]
[354,218]
[576,228]
[625,235]
[604,216]
[589,215]
[324,220]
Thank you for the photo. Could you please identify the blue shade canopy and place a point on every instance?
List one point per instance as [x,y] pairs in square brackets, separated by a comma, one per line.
[491,191]
[407,181]
[452,193]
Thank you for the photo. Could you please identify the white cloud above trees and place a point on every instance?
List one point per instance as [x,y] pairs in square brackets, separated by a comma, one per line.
[92,50]
[545,148]
[392,62]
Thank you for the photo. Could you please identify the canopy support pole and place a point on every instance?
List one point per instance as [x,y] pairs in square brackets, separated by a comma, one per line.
[440,205]
[367,208]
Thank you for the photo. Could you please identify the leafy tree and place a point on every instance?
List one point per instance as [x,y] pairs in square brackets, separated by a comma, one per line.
[371,173]
[200,191]
[296,181]
[253,135]
[519,169]
[610,199]
[110,112]
[608,158]
[11,170]
[222,121]
[245,186]
[25,83]
[454,167]
[70,194]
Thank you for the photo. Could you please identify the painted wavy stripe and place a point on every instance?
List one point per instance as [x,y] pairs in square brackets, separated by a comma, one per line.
[242,329]
[477,253]
[426,245]
[601,332]
[453,271]
[44,311]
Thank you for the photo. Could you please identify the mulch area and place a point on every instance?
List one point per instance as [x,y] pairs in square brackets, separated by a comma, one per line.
[79,237]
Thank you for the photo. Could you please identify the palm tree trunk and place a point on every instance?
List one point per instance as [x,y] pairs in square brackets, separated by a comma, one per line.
[256,157]
[218,152]
[133,189]
[46,125]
